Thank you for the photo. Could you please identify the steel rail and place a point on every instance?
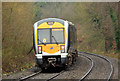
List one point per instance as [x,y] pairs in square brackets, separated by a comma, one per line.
[111,66]
[29,76]
[91,67]
[55,76]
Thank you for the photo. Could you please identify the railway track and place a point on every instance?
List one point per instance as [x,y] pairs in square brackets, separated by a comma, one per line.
[37,73]
[29,76]
[83,77]
[111,66]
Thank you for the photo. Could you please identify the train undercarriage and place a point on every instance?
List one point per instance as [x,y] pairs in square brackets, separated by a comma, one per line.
[56,61]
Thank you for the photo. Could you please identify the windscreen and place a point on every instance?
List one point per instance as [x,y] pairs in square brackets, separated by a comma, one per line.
[51,36]
[58,35]
[43,36]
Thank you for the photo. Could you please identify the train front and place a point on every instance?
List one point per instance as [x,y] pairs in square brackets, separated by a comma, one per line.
[50,42]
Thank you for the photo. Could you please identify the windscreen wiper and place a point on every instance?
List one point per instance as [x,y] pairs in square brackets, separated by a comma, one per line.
[55,39]
[41,42]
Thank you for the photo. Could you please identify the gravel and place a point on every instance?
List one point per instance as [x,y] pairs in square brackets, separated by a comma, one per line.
[23,73]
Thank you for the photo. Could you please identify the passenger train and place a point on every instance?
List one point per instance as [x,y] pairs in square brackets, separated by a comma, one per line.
[54,42]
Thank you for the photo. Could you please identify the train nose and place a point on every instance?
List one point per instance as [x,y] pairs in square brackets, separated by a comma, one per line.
[51,49]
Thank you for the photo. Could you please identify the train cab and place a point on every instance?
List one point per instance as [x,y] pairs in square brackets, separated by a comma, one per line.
[54,42]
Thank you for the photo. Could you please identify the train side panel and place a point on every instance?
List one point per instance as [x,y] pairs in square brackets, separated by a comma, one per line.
[72,38]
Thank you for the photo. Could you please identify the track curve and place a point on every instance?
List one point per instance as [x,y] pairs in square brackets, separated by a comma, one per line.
[111,66]
[92,64]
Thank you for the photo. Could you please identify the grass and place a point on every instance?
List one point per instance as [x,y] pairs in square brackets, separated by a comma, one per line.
[0,53]
[23,67]
[111,54]
[17,61]
[17,21]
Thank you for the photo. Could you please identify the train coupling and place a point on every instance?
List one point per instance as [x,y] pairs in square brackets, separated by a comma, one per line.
[52,61]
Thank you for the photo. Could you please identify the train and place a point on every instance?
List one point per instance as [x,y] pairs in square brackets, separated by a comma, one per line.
[55,43]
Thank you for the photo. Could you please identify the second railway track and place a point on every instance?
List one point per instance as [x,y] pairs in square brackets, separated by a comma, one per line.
[104,58]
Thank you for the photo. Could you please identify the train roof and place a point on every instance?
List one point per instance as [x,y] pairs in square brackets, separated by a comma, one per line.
[50,19]
[53,19]
[70,23]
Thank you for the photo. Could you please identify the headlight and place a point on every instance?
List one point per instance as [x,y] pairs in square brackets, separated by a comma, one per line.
[62,49]
[39,49]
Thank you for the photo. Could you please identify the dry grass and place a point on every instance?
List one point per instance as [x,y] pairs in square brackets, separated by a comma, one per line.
[17,27]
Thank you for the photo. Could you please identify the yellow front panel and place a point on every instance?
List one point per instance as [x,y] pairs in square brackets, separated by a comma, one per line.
[44,25]
[55,25]
[51,48]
